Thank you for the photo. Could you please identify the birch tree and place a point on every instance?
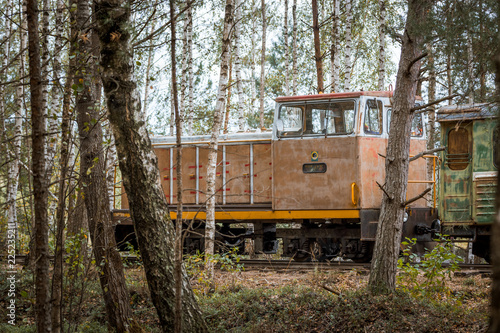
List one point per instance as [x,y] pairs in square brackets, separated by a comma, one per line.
[295,72]
[381,40]
[348,47]
[40,192]
[237,65]
[214,139]
[335,48]
[317,48]
[262,64]
[390,224]
[190,73]
[287,61]
[138,164]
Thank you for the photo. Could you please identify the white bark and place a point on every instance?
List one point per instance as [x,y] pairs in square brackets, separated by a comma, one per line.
[172,114]
[148,70]
[470,67]
[381,55]
[237,66]
[262,64]
[295,71]
[348,47]
[285,34]
[45,91]
[15,154]
[5,58]
[335,59]
[190,99]
[252,62]
[214,140]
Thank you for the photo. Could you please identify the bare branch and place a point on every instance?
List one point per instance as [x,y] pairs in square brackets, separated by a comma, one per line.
[383,190]
[331,290]
[437,101]
[409,201]
[414,61]
[431,151]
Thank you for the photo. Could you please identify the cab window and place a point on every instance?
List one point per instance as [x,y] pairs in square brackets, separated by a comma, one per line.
[373,117]
[417,127]
[290,117]
[458,150]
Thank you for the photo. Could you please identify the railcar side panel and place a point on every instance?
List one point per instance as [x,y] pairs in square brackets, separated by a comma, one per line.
[262,173]
[293,189]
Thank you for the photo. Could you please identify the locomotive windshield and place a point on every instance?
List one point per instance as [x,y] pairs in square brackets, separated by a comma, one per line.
[316,118]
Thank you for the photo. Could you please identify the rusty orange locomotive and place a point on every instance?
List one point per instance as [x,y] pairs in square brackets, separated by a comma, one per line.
[310,183]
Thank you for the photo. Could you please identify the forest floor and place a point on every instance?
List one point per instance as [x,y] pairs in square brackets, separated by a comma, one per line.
[289,301]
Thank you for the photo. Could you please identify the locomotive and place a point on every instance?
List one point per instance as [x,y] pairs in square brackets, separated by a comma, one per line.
[308,188]
[468,173]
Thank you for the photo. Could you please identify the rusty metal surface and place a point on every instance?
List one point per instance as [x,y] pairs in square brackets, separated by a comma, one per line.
[294,190]
[262,173]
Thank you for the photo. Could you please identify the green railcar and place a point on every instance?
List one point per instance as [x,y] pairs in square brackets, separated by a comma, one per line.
[468,173]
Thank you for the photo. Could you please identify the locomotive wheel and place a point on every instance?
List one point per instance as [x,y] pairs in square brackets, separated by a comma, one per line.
[310,250]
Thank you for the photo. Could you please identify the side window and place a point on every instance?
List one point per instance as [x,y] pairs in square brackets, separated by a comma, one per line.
[417,127]
[458,152]
[290,121]
[373,117]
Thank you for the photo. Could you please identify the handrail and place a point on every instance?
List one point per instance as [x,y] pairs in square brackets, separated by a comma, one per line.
[433,181]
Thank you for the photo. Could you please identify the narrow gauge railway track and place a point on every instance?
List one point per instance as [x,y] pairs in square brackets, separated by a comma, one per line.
[290,265]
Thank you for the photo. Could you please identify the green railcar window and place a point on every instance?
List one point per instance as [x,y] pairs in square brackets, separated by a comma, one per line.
[458,154]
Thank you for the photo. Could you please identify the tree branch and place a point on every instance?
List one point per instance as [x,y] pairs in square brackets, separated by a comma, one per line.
[383,190]
[331,290]
[407,202]
[431,151]
[416,108]
[414,61]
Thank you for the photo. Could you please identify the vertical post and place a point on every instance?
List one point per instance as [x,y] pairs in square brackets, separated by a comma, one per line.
[251,174]
[434,179]
[224,174]
[171,175]
[197,174]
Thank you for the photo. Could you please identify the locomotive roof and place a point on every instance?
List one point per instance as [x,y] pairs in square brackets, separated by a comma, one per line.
[205,139]
[353,94]
[467,112]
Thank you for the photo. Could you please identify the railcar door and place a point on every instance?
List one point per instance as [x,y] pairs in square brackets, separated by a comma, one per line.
[457,172]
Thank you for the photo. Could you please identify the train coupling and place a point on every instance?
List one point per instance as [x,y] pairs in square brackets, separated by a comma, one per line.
[423,229]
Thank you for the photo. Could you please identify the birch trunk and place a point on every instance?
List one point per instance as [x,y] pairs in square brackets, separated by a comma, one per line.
[287,65]
[5,59]
[253,61]
[388,239]
[348,47]
[138,164]
[178,222]
[148,70]
[57,277]
[15,155]
[295,71]
[45,91]
[228,102]
[381,40]
[317,48]
[237,66]
[190,107]
[431,115]
[470,68]
[335,52]
[262,65]
[214,140]
[40,186]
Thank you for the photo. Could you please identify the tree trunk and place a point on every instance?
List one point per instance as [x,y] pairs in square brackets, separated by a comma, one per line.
[335,51]
[214,140]
[287,66]
[138,164]
[495,237]
[388,239]
[40,186]
[237,66]
[178,132]
[295,71]
[228,103]
[348,47]
[317,48]
[93,178]
[262,65]
[470,67]
[253,86]
[190,74]
[431,116]
[381,38]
